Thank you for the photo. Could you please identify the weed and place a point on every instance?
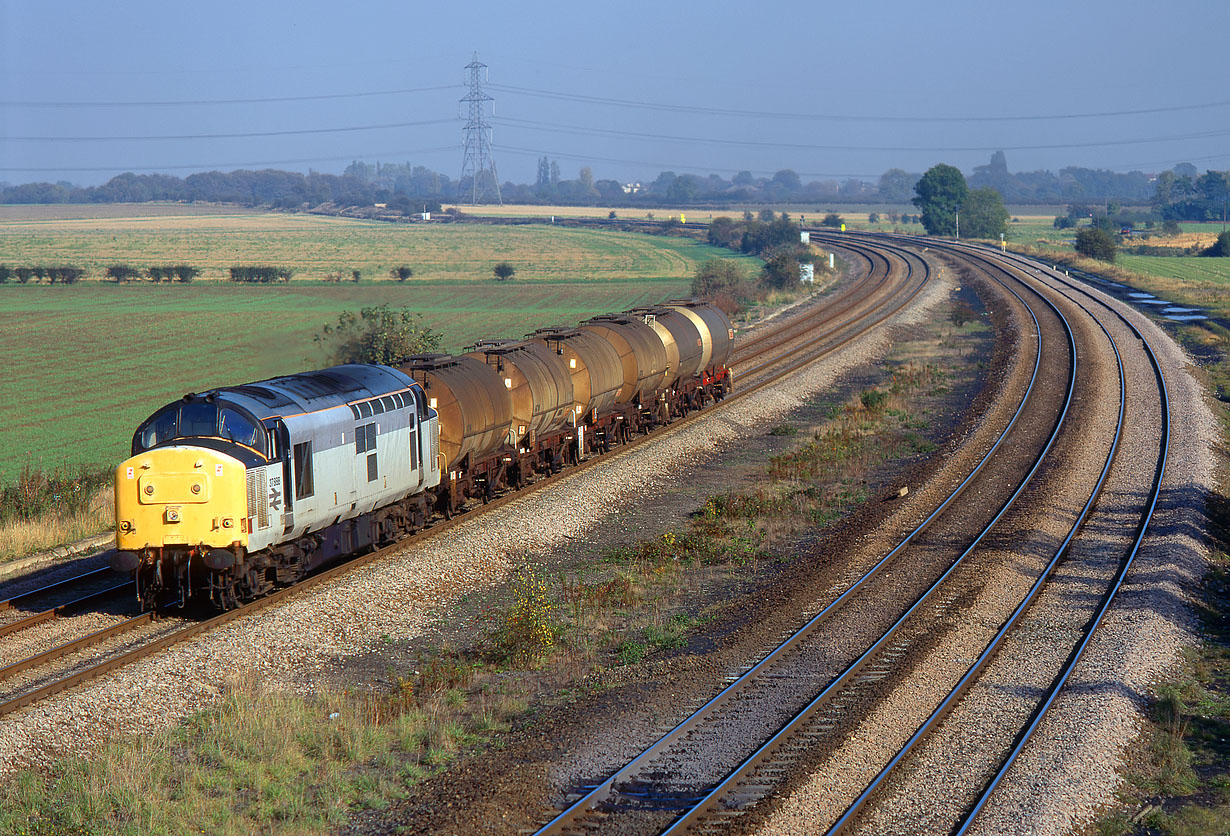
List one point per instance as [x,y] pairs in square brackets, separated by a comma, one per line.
[528,628]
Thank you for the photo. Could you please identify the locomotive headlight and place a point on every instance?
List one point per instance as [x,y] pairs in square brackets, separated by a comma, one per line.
[227,522]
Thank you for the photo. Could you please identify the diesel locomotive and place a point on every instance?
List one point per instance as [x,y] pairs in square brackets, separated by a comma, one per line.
[234,492]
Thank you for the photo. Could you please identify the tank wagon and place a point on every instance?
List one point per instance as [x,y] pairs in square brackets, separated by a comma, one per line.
[231,493]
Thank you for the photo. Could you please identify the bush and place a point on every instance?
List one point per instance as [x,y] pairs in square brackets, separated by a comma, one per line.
[503,271]
[5,274]
[1095,242]
[37,491]
[1064,222]
[402,272]
[186,273]
[64,275]
[123,273]
[1220,249]
[261,274]
[873,217]
[833,220]
[1171,228]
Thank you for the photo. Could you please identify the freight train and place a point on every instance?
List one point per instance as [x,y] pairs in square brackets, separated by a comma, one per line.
[234,492]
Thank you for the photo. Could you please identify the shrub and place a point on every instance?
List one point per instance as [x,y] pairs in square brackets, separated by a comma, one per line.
[528,628]
[401,272]
[1095,242]
[1171,228]
[6,273]
[503,271]
[123,273]
[261,274]
[64,275]
[24,274]
[833,220]
[1222,247]
[873,217]
[186,273]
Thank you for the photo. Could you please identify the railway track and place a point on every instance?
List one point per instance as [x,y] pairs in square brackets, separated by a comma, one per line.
[796,342]
[663,790]
[1101,559]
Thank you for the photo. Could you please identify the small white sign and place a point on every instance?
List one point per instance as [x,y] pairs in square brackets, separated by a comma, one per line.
[217,470]
[131,473]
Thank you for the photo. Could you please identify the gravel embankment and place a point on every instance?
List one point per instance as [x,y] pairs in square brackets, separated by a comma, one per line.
[397,598]
[1070,768]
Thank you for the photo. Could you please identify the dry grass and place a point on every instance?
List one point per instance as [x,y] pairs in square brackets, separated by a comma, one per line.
[19,538]
[260,761]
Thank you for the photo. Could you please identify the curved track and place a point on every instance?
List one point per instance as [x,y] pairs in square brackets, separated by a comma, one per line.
[663,790]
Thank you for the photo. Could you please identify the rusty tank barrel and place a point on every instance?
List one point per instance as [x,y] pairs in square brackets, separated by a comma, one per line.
[641,352]
[537,382]
[681,335]
[717,335]
[474,411]
[597,373]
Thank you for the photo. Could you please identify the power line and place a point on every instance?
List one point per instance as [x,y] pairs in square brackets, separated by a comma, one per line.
[200,102]
[234,165]
[862,147]
[302,132]
[824,117]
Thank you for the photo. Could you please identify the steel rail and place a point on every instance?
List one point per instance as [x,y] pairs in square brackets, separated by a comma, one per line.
[826,313]
[835,328]
[126,626]
[782,736]
[992,647]
[871,320]
[1125,565]
[606,789]
[59,610]
[10,603]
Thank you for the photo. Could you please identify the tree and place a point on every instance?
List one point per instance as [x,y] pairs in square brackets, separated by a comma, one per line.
[123,272]
[941,192]
[984,215]
[896,185]
[401,273]
[717,275]
[503,271]
[787,180]
[378,335]
[833,220]
[1096,243]
[781,268]
[1222,247]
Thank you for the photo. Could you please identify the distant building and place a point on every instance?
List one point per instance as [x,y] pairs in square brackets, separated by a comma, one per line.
[631,188]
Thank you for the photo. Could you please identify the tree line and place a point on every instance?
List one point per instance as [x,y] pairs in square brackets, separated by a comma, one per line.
[410,189]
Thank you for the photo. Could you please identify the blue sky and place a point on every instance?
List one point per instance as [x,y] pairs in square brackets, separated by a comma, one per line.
[830,90]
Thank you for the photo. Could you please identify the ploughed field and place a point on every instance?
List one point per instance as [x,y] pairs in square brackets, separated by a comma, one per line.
[88,362]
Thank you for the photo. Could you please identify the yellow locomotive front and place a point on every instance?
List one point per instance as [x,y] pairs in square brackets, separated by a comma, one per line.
[182,501]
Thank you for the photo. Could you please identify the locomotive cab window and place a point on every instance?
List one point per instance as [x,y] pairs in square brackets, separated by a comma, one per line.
[235,427]
[199,419]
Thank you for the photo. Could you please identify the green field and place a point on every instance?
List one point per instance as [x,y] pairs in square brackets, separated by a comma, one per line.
[87,362]
[1184,268]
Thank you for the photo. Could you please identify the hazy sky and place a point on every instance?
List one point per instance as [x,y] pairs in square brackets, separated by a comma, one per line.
[629,88]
